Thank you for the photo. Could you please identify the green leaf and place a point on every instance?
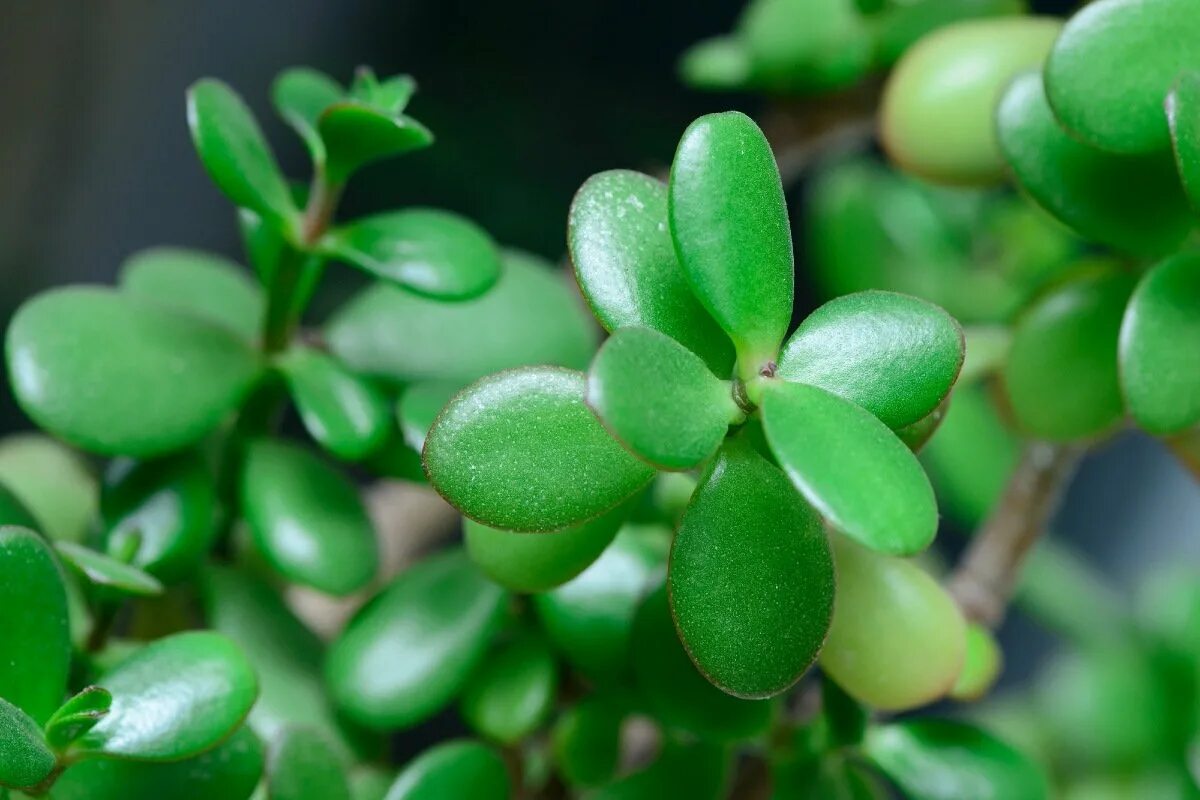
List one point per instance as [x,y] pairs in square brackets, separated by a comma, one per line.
[162,511]
[918,434]
[751,578]
[356,135]
[33,624]
[13,511]
[101,570]
[174,698]
[1061,377]
[513,691]
[427,251]
[845,719]
[230,771]
[419,406]
[898,639]
[303,765]
[77,716]
[939,103]
[391,95]
[1133,203]
[201,284]
[119,376]
[677,694]
[895,355]
[802,46]
[235,153]
[981,665]
[529,317]
[307,518]
[853,470]
[698,771]
[453,769]
[344,413]
[1112,66]
[626,266]
[25,759]
[586,741]
[52,481]
[409,652]
[935,759]
[590,619]
[300,96]
[898,26]
[719,64]
[730,226]
[536,562]
[520,450]
[369,782]
[1183,115]
[1160,337]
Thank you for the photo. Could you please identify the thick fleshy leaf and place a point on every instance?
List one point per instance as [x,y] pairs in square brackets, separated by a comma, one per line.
[513,691]
[419,406]
[25,758]
[356,134]
[1160,339]
[659,399]
[119,376]
[936,759]
[13,511]
[626,265]
[938,107]
[53,482]
[235,153]
[521,451]
[851,468]
[33,625]
[101,570]
[898,639]
[590,619]
[172,699]
[805,46]
[730,226]
[453,769]
[369,782]
[1112,66]
[719,64]
[300,96]
[1132,203]
[1183,115]
[303,765]
[424,250]
[307,518]
[1061,376]
[586,740]
[751,578]
[409,652]
[344,413]
[981,665]
[77,716]
[698,771]
[529,317]
[898,26]
[204,285]
[391,94]
[893,354]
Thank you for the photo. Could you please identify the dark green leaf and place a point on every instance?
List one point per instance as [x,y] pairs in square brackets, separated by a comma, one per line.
[101,570]
[356,134]
[13,511]
[898,26]
[419,406]
[699,771]
[302,765]
[918,434]
[1183,114]
[77,716]
[586,740]
[513,691]
[845,718]
[453,769]
[25,758]
[300,96]
[344,413]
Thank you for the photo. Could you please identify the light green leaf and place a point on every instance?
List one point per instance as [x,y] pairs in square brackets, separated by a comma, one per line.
[52,481]
[806,46]
[356,135]
[719,64]
[25,758]
[1183,115]
[513,691]
[302,765]
[77,716]
[391,94]
[344,413]
[453,769]
[420,405]
[101,570]
[300,96]
[981,665]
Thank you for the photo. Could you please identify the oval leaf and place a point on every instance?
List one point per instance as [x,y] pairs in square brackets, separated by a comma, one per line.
[453,769]
[806,46]
[356,134]
[344,413]
[100,570]
[513,691]
[53,482]
[300,96]
[586,741]
[77,716]
[1183,115]
[302,765]
[419,406]
[25,758]
[981,665]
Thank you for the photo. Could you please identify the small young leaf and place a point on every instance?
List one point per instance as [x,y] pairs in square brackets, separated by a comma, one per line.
[806,46]
[119,376]
[981,665]
[751,578]
[302,765]
[895,355]
[409,652]
[851,468]
[391,95]
[453,769]
[77,716]
[53,482]
[512,692]
[300,96]
[420,405]
[520,450]
[719,64]
[101,570]
[586,740]
[730,226]
[344,413]
[356,134]
[659,399]
[1183,115]
[429,252]
[25,758]
[307,518]
[235,154]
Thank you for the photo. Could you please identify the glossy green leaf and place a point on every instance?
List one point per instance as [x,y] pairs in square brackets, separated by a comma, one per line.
[698,771]
[938,107]
[536,562]
[356,134]
[13,511]
[52,481]
[201,284]
[898,639]
[300,96]
[1061,376]
[25,758]
[235,153]
[513,691]
[586,740]
[102,570]
[918,434]
[981,665]
[229,771]
[427,251]
[626,265]
[33,624]
[345,414]
[1160,337]
[302,765]
[307,518]
[520,450]
[851,468]
[895,355]
[453,769]
[898,26]
[751,578]
[409,652]
[934,759]
[1183,115]
[77,716]
[721,63]
[116,375]
[1112,66]
[1132,203]
[805,46]
[529,317]
[419,406]
[730,226]
[676,693]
